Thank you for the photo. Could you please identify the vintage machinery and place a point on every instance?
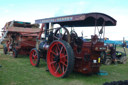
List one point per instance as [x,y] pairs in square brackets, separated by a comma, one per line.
[65,51]
[121,57]
[18,37]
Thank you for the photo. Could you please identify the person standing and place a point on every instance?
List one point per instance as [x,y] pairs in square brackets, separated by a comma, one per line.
[113,53]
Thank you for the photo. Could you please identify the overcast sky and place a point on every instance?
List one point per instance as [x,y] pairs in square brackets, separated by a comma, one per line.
[30,10]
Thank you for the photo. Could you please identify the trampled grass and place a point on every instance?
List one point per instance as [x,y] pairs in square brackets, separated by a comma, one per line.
[18,71]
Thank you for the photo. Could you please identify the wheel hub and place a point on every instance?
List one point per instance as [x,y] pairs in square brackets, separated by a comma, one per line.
[32,57]
[57,58]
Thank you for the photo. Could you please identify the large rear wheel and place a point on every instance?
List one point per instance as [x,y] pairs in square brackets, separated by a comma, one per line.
[34,57]
[60,59]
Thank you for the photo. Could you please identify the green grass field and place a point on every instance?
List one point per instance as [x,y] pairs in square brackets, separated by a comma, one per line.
[20,72]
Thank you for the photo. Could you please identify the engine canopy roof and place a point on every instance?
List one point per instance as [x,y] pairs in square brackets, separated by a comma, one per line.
[81,20]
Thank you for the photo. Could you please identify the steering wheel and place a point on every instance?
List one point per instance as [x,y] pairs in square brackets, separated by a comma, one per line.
[62,33]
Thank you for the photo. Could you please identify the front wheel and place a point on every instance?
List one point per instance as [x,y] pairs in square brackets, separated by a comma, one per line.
[60,59]
[34,57]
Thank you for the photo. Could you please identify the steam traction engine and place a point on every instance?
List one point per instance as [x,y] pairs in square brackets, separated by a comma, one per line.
[19,37]
[64,51]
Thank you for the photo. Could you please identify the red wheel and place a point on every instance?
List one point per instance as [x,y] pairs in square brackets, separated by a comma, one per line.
[34,57]
[60,59]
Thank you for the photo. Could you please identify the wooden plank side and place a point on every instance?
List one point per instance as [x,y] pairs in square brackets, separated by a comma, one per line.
[24,30]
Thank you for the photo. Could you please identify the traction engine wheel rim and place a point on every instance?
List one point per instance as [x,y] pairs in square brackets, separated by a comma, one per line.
[58,59]
[34,57]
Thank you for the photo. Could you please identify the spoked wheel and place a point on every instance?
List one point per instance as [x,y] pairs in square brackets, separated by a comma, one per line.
[5,50]
[62,33]
[123,60]
[108,61]
[15,53]
[34,57]
[60,59]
